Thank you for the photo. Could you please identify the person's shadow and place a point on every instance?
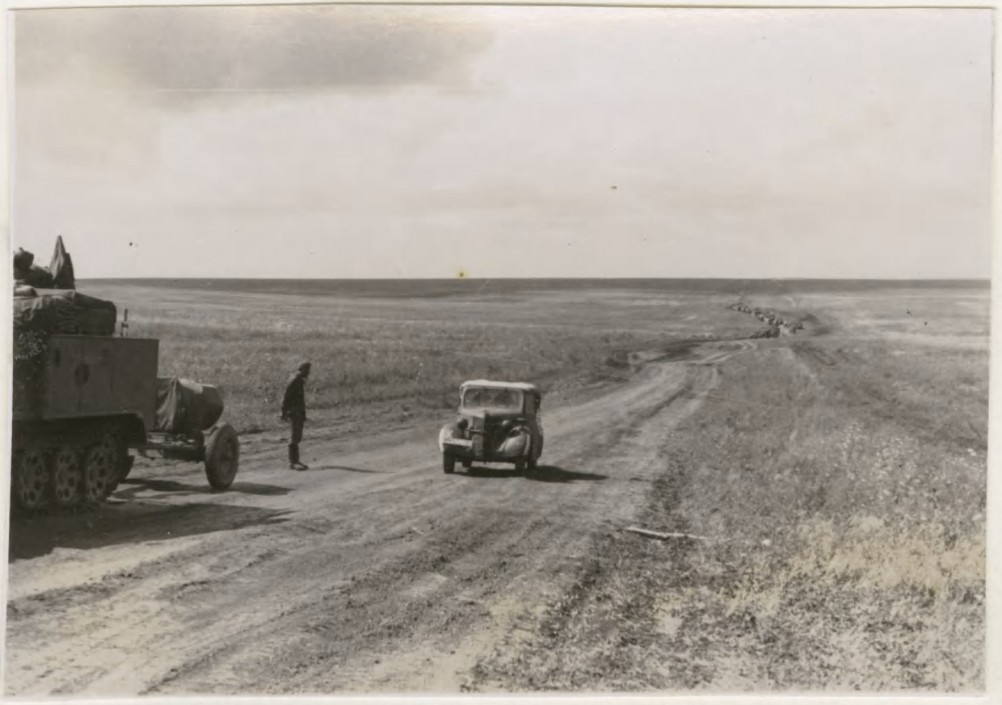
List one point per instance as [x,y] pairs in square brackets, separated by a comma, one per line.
[344,468]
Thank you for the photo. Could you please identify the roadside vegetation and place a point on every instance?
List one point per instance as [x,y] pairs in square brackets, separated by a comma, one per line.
[837,489]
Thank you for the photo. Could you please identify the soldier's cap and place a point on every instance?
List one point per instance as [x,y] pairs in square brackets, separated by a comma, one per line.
[303,366]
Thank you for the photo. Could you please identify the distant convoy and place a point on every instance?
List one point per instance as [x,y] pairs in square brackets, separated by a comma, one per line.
[84,396]
[778,326]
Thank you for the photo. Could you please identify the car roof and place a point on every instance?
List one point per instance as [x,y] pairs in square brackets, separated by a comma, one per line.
[493,384]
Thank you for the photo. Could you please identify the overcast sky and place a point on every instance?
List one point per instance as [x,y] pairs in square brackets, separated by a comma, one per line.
[348,141]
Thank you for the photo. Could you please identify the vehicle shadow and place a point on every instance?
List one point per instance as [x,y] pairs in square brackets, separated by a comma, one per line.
[552,473]
[173,487]
[479,471]
[118,522]
[543,473]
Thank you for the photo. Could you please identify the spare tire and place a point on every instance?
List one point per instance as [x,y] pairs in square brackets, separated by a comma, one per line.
[222,457]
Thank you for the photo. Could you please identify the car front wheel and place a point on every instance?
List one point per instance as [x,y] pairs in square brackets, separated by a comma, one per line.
[448,464]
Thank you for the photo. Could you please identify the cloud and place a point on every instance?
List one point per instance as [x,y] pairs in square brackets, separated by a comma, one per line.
[790,144]
[96,86]
[245,49]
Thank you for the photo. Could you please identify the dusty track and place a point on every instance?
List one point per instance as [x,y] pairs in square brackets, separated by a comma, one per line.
[372,571]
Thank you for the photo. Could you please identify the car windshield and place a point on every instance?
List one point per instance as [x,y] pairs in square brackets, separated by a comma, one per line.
[492,398]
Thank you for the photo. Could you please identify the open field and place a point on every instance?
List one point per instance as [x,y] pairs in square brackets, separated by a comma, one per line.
[398,357]
[833,481]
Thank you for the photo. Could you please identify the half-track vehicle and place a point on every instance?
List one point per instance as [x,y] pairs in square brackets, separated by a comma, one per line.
[84,397]
[499,422]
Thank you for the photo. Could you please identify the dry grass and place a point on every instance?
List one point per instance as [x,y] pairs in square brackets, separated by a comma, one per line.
[842,485]
[392,359]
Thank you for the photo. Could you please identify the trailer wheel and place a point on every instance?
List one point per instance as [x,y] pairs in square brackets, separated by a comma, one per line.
[222,457]
[67,478]
[30,479]
[101,469]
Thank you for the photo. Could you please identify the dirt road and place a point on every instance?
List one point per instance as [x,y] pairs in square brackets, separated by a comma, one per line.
[373,571]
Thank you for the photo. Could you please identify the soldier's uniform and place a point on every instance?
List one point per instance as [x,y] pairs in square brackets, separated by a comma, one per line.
[294,411]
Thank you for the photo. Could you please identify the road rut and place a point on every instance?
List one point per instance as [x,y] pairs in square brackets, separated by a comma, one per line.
[373,571]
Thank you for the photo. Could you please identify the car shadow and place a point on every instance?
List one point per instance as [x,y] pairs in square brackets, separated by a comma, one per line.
[118,522]
[552,473]
[173,487]
[479,471]
[543,473]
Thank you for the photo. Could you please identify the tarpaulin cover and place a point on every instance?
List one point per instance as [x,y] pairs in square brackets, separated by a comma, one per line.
[29,273]
[184,406]
[61,267]
[36,276]
[58,275]
[62,311]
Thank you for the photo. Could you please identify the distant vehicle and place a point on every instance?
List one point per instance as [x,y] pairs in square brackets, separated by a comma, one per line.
[498,423]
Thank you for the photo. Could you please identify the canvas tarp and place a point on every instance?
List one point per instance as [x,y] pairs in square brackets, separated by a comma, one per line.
[61,267]
[58,275]
[186,407]
[39,314]
[48,311]
[36,276]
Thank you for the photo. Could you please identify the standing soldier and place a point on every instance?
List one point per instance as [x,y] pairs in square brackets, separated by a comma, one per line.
[294,411]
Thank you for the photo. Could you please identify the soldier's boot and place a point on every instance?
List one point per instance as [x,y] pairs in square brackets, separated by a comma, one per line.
[294,463]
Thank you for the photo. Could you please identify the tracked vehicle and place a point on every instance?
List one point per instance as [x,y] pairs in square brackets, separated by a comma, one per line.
[83,397]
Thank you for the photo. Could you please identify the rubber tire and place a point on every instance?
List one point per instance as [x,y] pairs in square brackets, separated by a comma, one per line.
[532,464]
[222,457]
[107,456]
[467,464]
[67,477]
[520,467]
[448,464]
[30,493]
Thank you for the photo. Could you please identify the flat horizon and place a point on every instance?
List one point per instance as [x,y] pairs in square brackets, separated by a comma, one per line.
[431,288]
[986,279]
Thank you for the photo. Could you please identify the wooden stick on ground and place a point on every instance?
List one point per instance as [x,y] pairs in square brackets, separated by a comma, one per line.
[663,536]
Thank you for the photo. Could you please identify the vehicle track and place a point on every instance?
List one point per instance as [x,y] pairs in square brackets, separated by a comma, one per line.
[374,571]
